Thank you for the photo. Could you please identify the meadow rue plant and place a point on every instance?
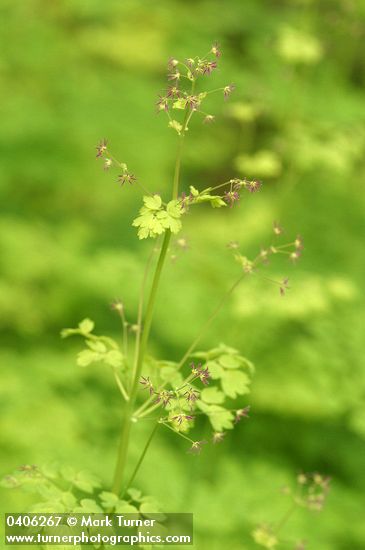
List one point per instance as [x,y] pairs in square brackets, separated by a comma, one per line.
[205,383]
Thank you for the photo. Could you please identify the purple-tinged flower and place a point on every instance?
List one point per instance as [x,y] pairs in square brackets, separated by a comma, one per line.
[147,384]
[216,50]
[230,197]
[227,90]
[175,75]
[201,373]
[173,91]
[162,104]
[172,63]
[204,376]
[164,397]
[218,437]
[195,370]
[277,228]
[117,305]
[284,285]
[253,186]
[191,395]
[242,413]
[107,164]
[190,62]
[179,418]
[207,67]
[197,447]
[126,177]
[192,101]
[209,119]
[294,256]
[101,148]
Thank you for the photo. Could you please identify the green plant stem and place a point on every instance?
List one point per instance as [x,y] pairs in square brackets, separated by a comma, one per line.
[129,417]
[286,517]
[140,460]
[120,385]
[126,428]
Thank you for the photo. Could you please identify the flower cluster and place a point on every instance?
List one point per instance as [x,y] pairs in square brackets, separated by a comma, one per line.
[292,250]
[181,94]
[102,151]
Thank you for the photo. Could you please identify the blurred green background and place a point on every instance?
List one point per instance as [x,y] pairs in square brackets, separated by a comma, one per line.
[74,71]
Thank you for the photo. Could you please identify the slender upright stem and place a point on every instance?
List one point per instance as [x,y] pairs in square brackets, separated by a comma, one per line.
[142,345]
[140,460]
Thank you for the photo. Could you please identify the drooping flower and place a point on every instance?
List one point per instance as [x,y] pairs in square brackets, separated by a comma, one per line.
[284,286]
[242,413]
[172,63]
[174,75]
[146,382]
[164,397]
[277,228]
[298,243]
[127,177]
[294,256]
[208,119]
[204,376]
[101,148]
[216,50]
[227,90]
[192,101]
[197,447]
[179,418]
[230,197]
[191,395]
[107,163]
[162,104]
[218,437]
[253,186]
[207,67]
[117,305]
[173,91]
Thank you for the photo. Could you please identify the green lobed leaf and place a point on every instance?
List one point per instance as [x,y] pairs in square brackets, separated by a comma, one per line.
[235,383]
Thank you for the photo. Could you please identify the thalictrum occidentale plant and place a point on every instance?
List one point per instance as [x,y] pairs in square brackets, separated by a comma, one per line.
[201,383]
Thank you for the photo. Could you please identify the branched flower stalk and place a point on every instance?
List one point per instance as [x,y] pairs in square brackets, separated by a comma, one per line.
[174,395]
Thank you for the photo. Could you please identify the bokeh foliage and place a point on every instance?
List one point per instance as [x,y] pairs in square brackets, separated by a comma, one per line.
[75,71]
